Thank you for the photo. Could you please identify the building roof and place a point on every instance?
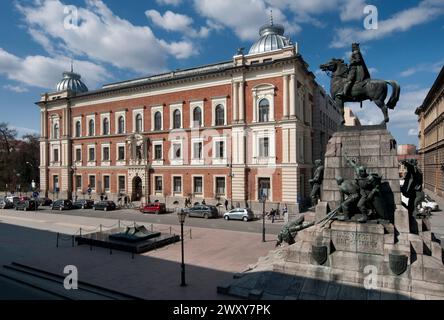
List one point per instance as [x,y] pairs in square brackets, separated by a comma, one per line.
[434,90]
[271,38]
[71,81]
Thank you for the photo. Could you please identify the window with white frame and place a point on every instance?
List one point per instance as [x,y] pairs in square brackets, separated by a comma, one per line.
[78,185]
[197,114]
[177,185]
[105,126]
[91,154]
[176,119]
[78,128]
[157,118]
[78,154]
[263,102]
[120,125]
[56,155]
[197,150]
[197,117]
[198,185]
[120,153]
[220,149]
[219,111]
[56,131]
[264,147]
[220,186]
[92,182]
[105,153]
[158,184]
[91,127]
[158,152]
[264,188]
[138,121]
[106,183]
[177,151]
[121,183]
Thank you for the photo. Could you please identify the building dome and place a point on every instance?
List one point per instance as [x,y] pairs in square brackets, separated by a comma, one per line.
[272,38]
[71,81]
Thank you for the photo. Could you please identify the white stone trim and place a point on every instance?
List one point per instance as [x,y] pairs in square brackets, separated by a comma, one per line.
[256,196]
[88,119]
[91,163]
[260,92]
[102,117]
[161,192]
[194,160]
[173,160]
[75,120]
[264,132]
[105,163]
[161,161]
[78,162]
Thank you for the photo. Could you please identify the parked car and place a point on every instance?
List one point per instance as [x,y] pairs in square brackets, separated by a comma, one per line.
[239,214]
[27,205]
[155,207]
[45,202]
[202,211]
[61,205]
[83,204]
[105,206]
[5,204]
[13,199]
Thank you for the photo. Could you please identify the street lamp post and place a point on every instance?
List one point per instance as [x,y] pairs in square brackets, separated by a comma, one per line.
[182,216]
[263,216]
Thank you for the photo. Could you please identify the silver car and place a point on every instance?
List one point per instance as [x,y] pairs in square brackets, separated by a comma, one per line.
[239,214]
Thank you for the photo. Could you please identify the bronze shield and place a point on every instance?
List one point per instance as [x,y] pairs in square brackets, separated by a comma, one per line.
[398,263]
[319,254]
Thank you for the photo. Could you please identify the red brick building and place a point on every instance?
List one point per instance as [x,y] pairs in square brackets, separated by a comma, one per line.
[232,130]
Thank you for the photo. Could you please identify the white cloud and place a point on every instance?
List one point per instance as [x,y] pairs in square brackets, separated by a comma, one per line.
[100,36]
[45,72]
[402,21]
[21,131]
[171,21]
[413,132]
[352,10]
[424,67]
[169,2]
[244,17]
[17,89]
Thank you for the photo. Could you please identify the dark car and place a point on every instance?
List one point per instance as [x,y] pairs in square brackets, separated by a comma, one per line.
[13,199]
[155,207]
[27,205]
[202,211]
[45,202]
[105,206]
[83,204]
[61,205]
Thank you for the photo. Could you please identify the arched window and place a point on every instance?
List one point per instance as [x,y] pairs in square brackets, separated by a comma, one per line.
[220,115]
[121,125]
[139,123]
[158,121]
[264,110]
[91,128]
[197,117]
[56,131]
[105,126]
[78,129]
[176,119]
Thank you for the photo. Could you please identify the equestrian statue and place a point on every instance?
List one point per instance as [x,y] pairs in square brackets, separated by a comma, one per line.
[352,83]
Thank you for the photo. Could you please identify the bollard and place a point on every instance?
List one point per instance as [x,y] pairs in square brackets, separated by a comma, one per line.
[80,232]
[100,228]
[191,237]
[134,224]
[58,235]
[72,241]
[119,224]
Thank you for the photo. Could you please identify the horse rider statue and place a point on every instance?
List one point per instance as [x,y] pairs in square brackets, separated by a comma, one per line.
[357,72]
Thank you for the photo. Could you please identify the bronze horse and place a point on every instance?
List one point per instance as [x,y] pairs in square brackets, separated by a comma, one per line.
[373,90]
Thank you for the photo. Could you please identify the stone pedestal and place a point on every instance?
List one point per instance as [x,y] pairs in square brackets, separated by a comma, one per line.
[371,146]
[386,259]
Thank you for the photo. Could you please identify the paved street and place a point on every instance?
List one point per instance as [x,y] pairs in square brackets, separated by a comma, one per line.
[437,219]
[212,255]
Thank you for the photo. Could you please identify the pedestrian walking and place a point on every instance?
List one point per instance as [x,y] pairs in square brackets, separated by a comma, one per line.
[226,204]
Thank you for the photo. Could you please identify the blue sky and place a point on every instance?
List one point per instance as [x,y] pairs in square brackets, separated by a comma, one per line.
[117,40]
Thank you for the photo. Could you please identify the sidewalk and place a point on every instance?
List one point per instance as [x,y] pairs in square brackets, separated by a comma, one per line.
[212,256]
